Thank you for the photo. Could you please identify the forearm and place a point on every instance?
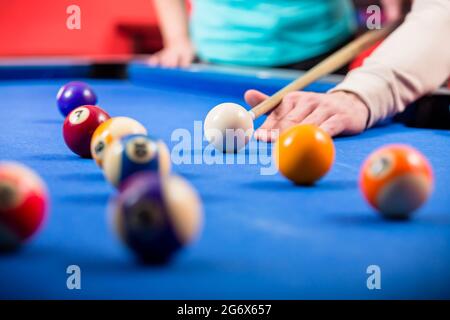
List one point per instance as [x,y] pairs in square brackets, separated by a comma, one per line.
[173,20]
[413,61]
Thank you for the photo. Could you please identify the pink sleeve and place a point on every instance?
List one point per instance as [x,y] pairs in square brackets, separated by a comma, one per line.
[413,61]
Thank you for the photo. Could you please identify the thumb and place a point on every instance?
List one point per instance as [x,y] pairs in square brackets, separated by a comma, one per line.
[254,97]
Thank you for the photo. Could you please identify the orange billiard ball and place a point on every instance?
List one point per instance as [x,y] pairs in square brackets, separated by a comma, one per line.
[110,130]
[304,154]
[396,180]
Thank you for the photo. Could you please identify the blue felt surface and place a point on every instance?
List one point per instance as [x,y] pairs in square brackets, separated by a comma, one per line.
[263,237]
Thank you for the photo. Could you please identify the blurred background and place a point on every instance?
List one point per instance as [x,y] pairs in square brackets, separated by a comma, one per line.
[38,27]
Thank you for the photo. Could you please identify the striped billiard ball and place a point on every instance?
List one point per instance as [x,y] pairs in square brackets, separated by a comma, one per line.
[156,216]
[134,153]
[396,180]
[24,204]
[110,130]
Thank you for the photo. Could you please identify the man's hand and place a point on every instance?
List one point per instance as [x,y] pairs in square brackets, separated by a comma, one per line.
[178,54]
[338,113]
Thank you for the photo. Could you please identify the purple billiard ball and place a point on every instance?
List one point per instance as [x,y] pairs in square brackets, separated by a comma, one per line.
[156,216]
[73,95]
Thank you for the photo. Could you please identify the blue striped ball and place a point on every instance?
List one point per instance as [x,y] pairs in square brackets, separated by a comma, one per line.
[135,153]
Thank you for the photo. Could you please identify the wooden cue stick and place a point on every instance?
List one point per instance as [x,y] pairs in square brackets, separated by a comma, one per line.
[327,66]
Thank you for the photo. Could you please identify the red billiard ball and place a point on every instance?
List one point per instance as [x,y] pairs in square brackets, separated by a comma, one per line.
[79,127]
[396,180]
[23,204]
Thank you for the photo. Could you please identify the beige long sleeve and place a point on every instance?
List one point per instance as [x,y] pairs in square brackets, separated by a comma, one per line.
[411,62]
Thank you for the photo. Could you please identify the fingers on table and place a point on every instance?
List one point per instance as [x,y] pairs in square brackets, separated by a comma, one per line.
[333,125]
[296,108]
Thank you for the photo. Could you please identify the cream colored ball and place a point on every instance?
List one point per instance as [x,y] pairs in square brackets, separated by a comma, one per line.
[228,127]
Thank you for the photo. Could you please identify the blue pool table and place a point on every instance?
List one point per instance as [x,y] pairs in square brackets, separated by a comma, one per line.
[263,238]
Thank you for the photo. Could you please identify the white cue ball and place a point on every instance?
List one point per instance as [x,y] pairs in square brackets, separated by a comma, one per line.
[228,127]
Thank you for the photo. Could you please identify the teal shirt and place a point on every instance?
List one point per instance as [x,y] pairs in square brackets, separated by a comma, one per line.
[269,32]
